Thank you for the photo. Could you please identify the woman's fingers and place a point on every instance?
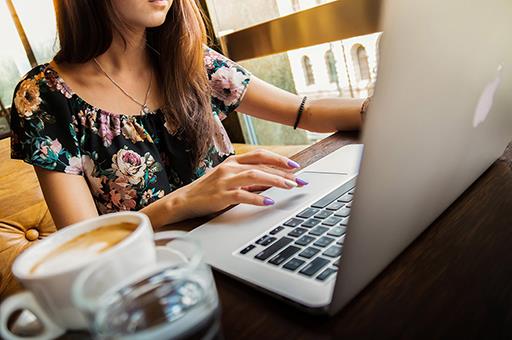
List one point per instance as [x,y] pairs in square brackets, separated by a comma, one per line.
[274,171]
[258,177]
[253,188]
[268,169]
[268,158]
[242,196]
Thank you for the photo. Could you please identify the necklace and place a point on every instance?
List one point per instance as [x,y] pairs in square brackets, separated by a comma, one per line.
[144,109]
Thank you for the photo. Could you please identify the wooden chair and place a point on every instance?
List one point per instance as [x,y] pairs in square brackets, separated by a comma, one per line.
[24,216]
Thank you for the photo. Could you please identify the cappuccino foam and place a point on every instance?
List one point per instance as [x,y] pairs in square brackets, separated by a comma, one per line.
[83,248]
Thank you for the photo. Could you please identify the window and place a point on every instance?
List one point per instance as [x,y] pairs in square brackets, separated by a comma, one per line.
[294,69]
[295,5]
[330,63]
[233,15]
[360,59]
[13,59]
[307,68]
[38,21]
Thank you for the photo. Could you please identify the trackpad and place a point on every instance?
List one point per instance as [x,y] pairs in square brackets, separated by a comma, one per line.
[319,185]
[287,201]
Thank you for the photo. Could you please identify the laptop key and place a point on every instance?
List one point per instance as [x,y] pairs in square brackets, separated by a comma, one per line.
[337,231]
[333,251]
[335,206]
[307,213]
[324,214]
[341,240]
[324,201]
[311,223]
[247,249]
[274,248]
[352,191]
[293,264]
[297,232]
[276,230]
[344,212]
[336,263]
[309,252]
[305,240]
[314,266]
[265,240]
[346,198]
[293,222]
[332,221]
[317,231]
[323,241]
[345,221]
[284,255]
[325,274]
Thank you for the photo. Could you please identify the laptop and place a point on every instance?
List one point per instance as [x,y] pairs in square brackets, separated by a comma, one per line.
[440,116]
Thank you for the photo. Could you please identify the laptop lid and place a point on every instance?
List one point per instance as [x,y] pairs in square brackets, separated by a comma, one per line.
[440,116]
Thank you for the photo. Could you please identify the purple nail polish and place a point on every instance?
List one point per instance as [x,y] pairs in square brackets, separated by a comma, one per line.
[301,182]
[268,201]
[293,164]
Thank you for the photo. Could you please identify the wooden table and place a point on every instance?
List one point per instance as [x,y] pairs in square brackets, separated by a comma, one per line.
[453,282]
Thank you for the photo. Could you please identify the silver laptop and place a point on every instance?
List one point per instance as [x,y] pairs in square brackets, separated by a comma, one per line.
[440,116]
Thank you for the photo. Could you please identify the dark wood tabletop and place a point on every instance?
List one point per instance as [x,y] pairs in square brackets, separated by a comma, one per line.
[453,282]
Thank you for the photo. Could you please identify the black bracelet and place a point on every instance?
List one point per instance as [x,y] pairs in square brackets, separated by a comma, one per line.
[299,113]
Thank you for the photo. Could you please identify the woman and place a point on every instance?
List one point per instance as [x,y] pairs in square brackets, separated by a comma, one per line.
[127,116]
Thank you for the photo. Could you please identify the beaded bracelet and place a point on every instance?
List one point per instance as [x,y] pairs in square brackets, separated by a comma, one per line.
[299,113]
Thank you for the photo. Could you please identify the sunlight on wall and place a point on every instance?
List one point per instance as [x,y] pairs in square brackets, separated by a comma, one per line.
[38,20]
[13,60]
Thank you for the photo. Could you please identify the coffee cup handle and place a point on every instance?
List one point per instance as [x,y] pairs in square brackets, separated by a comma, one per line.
[25,300]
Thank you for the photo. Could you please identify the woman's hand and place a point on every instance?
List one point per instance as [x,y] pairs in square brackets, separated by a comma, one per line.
[231,182]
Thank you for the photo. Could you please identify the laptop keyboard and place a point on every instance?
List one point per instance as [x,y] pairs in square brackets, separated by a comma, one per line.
[310,242]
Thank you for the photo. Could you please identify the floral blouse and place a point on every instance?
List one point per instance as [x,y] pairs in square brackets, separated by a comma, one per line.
[128,161]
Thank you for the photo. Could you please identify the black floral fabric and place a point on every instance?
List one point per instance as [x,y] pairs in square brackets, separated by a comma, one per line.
[128,161]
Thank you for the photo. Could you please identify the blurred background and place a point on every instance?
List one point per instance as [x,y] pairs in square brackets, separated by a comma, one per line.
[318,48]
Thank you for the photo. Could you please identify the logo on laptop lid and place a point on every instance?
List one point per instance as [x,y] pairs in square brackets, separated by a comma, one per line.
[487,99]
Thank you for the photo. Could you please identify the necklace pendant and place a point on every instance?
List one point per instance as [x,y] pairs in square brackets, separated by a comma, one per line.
[144,110]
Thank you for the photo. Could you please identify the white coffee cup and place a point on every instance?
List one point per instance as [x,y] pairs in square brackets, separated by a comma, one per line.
[48,295]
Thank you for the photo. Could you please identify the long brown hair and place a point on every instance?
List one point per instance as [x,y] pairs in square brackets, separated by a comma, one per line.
[86,29]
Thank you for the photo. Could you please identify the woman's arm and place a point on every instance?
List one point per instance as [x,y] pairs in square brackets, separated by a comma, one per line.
[69,199]
[67,196]
[265,101]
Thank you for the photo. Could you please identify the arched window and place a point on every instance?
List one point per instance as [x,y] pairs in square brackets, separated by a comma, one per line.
[330,62]
[295,5]
[308,70]
[360,59]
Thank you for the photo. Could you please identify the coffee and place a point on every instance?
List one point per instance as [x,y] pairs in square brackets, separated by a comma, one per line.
[83,248]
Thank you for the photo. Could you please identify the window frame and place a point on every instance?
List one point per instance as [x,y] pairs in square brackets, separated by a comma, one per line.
[341,19]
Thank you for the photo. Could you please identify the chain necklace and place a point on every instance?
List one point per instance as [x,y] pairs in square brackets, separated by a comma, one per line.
[144,109]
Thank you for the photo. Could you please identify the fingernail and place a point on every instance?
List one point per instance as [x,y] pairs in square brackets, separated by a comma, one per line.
[290,184]
[268,201]
[293,164]
[301,182]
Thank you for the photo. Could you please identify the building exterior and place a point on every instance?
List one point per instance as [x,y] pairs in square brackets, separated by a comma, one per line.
[345,68]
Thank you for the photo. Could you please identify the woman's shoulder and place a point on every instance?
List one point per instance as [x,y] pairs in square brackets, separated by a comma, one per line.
[35,72]
[214,60]
[36,88]
[42,80]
